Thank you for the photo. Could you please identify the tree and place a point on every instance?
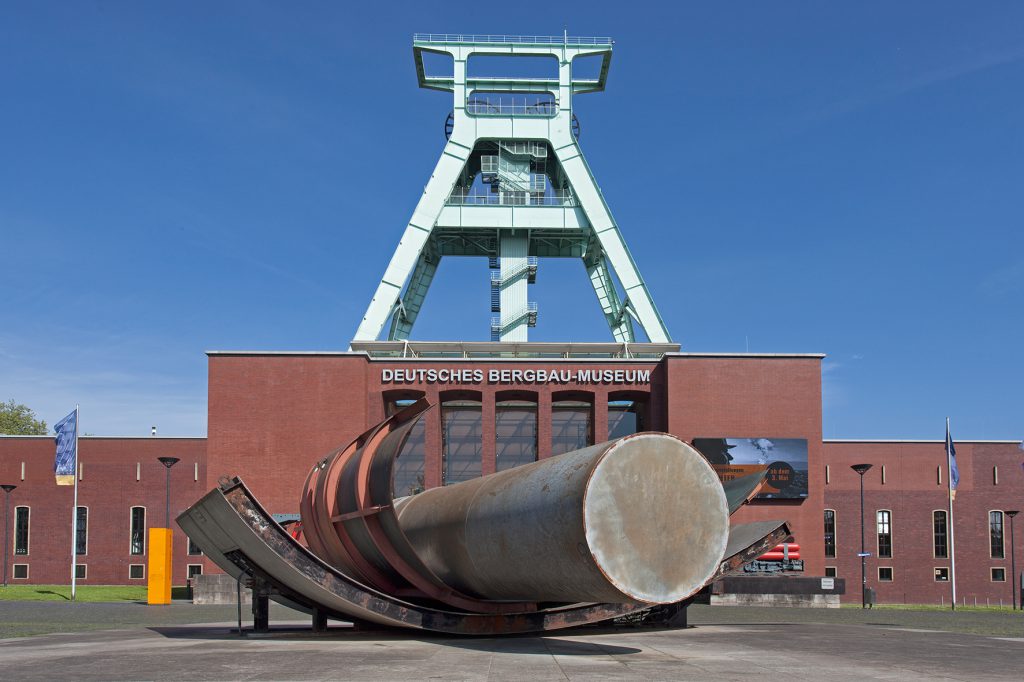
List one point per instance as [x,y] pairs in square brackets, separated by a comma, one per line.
[20,420]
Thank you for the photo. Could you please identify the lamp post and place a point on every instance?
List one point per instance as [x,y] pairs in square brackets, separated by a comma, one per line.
[7,524]
[862,469]
[1013,560]
[168,462]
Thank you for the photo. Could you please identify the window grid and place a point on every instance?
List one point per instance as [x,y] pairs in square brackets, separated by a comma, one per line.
[995,535]
[22,516]
[137,532]
[884,522]
[940,534]
[82,531]
[830,533]
[515,433]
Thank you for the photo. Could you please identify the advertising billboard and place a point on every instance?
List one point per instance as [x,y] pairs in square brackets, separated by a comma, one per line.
[785,460]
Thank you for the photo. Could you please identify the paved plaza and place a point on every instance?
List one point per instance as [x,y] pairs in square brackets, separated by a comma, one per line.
[723,644]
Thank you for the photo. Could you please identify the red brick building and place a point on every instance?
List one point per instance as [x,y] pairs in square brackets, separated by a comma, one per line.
[273,415]
[121,493]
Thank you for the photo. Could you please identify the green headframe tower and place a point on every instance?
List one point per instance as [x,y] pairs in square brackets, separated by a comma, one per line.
[512,186]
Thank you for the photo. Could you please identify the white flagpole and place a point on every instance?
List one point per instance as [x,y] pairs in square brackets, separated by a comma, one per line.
[949,488]
[74,511]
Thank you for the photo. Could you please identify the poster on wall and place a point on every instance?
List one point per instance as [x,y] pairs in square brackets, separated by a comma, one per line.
[785,460]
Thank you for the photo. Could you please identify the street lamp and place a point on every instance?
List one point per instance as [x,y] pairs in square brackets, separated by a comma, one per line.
[7,524]
[168,462]
[862,469]
[1013,561]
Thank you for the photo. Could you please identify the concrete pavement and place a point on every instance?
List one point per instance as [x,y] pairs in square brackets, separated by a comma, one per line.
[792,651]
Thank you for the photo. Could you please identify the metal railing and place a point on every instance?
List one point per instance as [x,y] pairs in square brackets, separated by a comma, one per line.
[520,148]
[506,39]
[530,264]
[500,323]
[557,198]
[510,107]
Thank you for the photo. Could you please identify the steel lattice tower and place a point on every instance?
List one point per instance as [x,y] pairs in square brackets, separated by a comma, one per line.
[512,185]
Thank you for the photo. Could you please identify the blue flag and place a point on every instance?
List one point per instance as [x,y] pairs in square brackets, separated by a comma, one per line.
[954,471]
[66,463]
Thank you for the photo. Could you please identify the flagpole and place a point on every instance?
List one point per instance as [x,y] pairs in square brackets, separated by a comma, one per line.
[74,511]
[949,489]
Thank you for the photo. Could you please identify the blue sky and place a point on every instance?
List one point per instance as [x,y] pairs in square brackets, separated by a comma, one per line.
[790,177]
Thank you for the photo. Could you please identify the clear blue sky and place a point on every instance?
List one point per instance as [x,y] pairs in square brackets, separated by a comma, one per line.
[844,178]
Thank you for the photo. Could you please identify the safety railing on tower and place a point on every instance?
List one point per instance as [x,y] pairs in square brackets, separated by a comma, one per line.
[500,324]
[562,198]
[506,39]
[510,107]
[529,267]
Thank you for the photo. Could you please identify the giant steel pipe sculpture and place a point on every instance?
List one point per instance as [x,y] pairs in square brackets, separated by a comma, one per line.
[601,532]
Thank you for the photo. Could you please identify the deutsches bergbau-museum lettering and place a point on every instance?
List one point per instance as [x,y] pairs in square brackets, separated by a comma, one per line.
[515,376]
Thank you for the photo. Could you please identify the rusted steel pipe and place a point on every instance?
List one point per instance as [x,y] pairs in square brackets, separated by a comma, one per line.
[643,518]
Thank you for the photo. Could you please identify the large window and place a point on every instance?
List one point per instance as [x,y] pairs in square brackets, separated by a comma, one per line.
[21,519]
[515,433]
[995,535]
[626,417]
[940,534]
[137,535]
[830,533]
[571,426]
[461,440]
[82,531]
[884,533]
[408,477]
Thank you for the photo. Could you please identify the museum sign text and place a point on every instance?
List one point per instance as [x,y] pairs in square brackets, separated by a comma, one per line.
[515,376]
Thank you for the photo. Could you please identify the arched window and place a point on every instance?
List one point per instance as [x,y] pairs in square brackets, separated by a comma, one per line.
[940,534]
[515,432]
[407,477]
[21,531]
[572,423]
[830,533]
[995,535]
[884,533]
[461,440]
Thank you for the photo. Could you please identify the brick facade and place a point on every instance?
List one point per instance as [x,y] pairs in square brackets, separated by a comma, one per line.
[915,486]
[108,489]
[273,415]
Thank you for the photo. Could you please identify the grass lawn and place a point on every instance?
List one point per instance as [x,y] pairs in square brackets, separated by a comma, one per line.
[83,593]
[931,607]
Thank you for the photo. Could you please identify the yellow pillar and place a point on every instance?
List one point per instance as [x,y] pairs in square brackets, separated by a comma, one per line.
[159,566]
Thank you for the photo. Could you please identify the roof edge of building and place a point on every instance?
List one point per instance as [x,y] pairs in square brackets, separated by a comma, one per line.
[96,437]
[918,440]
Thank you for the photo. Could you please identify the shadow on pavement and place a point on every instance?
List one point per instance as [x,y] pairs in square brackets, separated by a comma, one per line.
[512,644]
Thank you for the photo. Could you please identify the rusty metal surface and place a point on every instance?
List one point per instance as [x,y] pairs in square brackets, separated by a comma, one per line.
[594,534]
[235,532]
